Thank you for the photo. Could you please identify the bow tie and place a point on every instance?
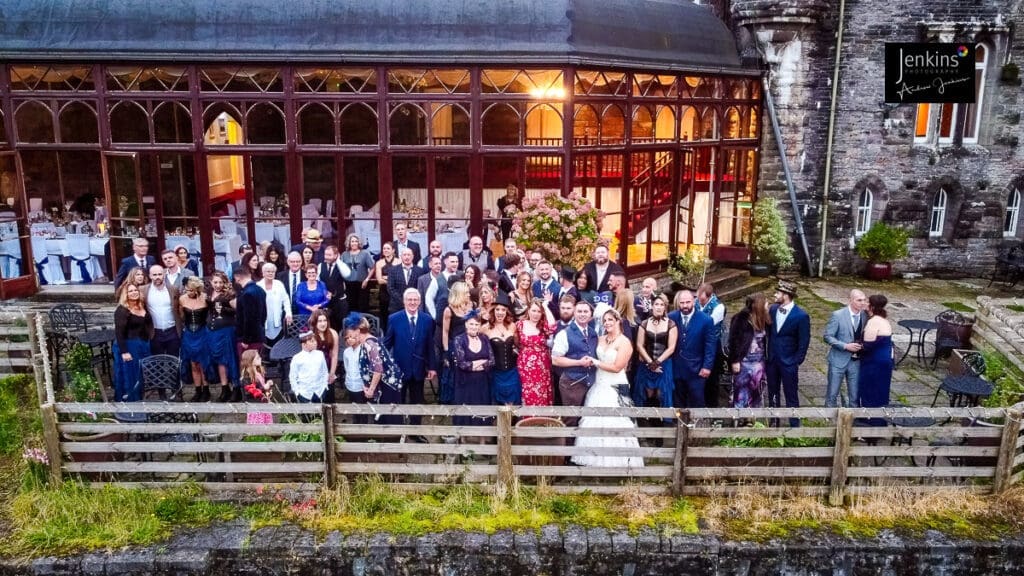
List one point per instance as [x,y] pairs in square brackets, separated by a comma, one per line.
[782,311]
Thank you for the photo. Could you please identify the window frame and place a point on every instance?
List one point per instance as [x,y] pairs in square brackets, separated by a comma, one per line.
[980,100]
[939,204]
[1012,218]
[864,212]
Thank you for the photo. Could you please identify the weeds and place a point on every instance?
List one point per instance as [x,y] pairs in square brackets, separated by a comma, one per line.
[958,306]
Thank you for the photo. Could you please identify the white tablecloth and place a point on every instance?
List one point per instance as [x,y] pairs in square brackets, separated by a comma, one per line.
[225,249]
[453,241]
[59,246]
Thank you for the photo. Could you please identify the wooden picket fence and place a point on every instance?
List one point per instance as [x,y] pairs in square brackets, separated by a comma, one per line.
[835,453]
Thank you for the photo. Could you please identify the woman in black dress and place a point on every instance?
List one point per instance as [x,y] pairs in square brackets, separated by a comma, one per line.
[473,361]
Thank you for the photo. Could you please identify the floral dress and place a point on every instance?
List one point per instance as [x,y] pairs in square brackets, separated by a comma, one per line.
[535,366]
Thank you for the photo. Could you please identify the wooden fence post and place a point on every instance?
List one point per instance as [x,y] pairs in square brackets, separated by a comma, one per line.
[506,471]
[52,439]
[36,354]
[330,454]
[679,461]
[841,456]
[1007,451]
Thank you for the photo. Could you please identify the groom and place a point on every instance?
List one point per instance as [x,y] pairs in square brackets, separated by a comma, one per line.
[843,334]
[573,351]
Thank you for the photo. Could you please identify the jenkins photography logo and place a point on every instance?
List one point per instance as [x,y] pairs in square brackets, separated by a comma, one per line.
[929,72]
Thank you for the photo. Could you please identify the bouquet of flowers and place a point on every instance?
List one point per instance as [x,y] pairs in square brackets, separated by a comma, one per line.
[562,228]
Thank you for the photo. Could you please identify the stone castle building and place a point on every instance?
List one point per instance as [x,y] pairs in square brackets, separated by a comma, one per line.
[953,174]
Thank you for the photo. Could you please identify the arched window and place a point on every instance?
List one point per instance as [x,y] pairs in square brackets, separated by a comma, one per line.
[1012,213]
[938,214]
[864,206]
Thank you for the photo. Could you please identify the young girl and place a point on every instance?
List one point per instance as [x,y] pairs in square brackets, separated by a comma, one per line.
[257,388]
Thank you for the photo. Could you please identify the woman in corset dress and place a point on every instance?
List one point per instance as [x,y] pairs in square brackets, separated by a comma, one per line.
[610,390]
[876,356]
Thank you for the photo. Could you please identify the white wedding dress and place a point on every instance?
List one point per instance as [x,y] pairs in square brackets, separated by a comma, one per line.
[605,393]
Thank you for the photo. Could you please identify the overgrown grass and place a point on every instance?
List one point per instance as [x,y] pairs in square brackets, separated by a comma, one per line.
[74,517]
[957,513]
[1015,307]
[19,416]
[371,504]
[1007,380]
[958,306]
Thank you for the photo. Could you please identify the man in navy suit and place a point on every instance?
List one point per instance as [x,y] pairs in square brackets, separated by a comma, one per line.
[788,339]
[401,276]
[410,338]
[694,356]
[141,259]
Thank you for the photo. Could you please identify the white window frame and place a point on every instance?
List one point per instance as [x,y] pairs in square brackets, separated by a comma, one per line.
[980,90]
[865,204]
[938,216]
[1012,214]
[934,111]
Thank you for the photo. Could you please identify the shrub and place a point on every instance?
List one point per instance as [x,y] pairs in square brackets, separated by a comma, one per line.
[770,242]
[883,243]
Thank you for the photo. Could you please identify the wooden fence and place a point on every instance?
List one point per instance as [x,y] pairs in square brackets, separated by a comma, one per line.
[835,453]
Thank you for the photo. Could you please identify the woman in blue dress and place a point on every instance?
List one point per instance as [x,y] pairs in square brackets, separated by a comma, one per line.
[312,294]
[656,341]
[221,337]
[876,356]
[133,329]
[195,352]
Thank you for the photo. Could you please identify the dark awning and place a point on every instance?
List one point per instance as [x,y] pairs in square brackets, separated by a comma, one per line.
[662,34]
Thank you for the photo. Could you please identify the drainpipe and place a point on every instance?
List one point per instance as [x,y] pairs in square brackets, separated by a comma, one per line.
[830,138]
[789,176]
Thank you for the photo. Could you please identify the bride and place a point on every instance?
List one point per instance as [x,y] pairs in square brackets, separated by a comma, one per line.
[610,390]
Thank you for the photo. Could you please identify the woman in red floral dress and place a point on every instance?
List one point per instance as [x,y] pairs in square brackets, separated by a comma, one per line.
[534,356]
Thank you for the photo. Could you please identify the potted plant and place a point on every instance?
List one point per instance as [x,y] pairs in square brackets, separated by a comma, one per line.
[687,269]
[880,246]
[770,245]
[82,384]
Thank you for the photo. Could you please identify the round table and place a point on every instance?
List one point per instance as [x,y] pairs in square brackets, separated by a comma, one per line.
[920,329]
[101,337]
[964,390]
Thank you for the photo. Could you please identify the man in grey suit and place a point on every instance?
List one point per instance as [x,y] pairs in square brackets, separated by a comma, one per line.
[174,274]
[433,289]
[844,334]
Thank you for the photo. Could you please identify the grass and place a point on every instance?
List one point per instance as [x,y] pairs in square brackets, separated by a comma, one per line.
[958,307]
[19,417]
[758,517]
[74,517]
[1015,307]
[371,504]
[1006,378]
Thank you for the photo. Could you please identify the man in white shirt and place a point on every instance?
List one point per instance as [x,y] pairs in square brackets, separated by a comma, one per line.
[174,275]
[450,262]
[308,372]
[165,310]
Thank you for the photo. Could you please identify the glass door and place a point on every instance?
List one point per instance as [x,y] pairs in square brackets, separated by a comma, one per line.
[734,206]
[125,216]
[15,257]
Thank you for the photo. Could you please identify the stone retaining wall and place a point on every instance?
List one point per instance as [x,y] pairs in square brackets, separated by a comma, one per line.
[232,549]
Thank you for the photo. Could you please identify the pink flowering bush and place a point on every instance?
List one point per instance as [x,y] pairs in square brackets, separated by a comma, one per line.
[562,228]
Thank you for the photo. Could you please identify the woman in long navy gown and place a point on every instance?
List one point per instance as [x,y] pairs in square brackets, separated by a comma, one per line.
[876,363]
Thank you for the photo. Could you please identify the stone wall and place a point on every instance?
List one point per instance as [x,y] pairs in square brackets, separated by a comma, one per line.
[233,549]
[874,142]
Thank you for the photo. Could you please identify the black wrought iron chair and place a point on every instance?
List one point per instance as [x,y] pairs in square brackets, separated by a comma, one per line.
[299,323]
[952,331]
[161,375]
[66,322]
[1008,267]
[374,324]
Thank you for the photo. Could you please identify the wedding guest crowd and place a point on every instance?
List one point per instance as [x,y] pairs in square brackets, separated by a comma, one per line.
[481,330]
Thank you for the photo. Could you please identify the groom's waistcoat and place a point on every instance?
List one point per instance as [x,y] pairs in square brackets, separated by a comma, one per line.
[578,348]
